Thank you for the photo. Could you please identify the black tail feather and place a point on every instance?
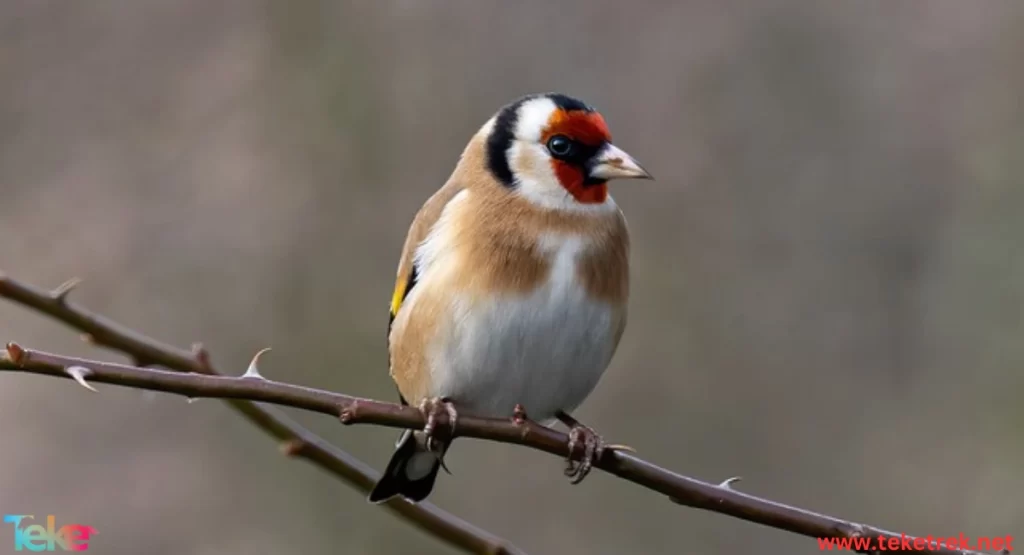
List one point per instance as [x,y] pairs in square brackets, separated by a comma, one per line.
[396,481]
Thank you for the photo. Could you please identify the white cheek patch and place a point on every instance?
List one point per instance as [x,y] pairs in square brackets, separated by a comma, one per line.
[536,180]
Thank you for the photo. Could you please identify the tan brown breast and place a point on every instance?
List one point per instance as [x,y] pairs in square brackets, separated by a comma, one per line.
[499,233]
[495,240]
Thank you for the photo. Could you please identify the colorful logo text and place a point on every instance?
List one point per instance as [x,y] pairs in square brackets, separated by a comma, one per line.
[36,537]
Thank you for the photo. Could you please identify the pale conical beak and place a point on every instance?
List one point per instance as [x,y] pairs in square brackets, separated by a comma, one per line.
[611,162]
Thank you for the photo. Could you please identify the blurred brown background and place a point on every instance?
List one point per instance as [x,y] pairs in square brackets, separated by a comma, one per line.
[827,274]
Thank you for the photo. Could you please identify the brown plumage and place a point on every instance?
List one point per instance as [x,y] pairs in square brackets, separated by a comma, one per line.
[496,234]
[514,277]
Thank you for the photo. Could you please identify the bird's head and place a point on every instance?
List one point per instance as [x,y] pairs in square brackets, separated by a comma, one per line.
[556,151]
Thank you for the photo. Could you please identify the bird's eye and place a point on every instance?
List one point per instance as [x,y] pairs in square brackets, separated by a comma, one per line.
[560,145]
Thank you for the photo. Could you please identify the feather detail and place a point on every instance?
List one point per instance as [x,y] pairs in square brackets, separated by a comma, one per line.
[486,241]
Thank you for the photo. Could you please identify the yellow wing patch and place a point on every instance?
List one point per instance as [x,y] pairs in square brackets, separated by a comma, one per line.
[398,297]
[402,289]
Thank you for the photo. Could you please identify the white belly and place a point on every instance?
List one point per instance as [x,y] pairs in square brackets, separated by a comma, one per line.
[546,350]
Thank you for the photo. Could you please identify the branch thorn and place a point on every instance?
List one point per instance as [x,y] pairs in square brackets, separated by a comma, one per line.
[15,352]
[140,361]
[348,413]
[291,447]
[519,415]
[60,293]
[253,370]
[728,482]
[202,356]
[78,373]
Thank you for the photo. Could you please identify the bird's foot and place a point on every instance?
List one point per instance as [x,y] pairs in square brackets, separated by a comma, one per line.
[433,408]
[593,448]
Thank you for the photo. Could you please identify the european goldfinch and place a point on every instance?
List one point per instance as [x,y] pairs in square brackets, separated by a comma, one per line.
[512,285]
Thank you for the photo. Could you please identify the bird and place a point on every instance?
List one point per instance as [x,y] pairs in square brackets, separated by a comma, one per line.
[512,286]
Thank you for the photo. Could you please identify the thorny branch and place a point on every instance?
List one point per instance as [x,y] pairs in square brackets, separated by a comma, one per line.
[296,441]
[253,387]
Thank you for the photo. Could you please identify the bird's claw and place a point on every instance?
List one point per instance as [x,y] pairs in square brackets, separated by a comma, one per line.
[432,409]
[594,448]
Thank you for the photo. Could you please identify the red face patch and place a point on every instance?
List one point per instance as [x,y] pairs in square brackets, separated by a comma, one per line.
[571,177]
[590,129]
